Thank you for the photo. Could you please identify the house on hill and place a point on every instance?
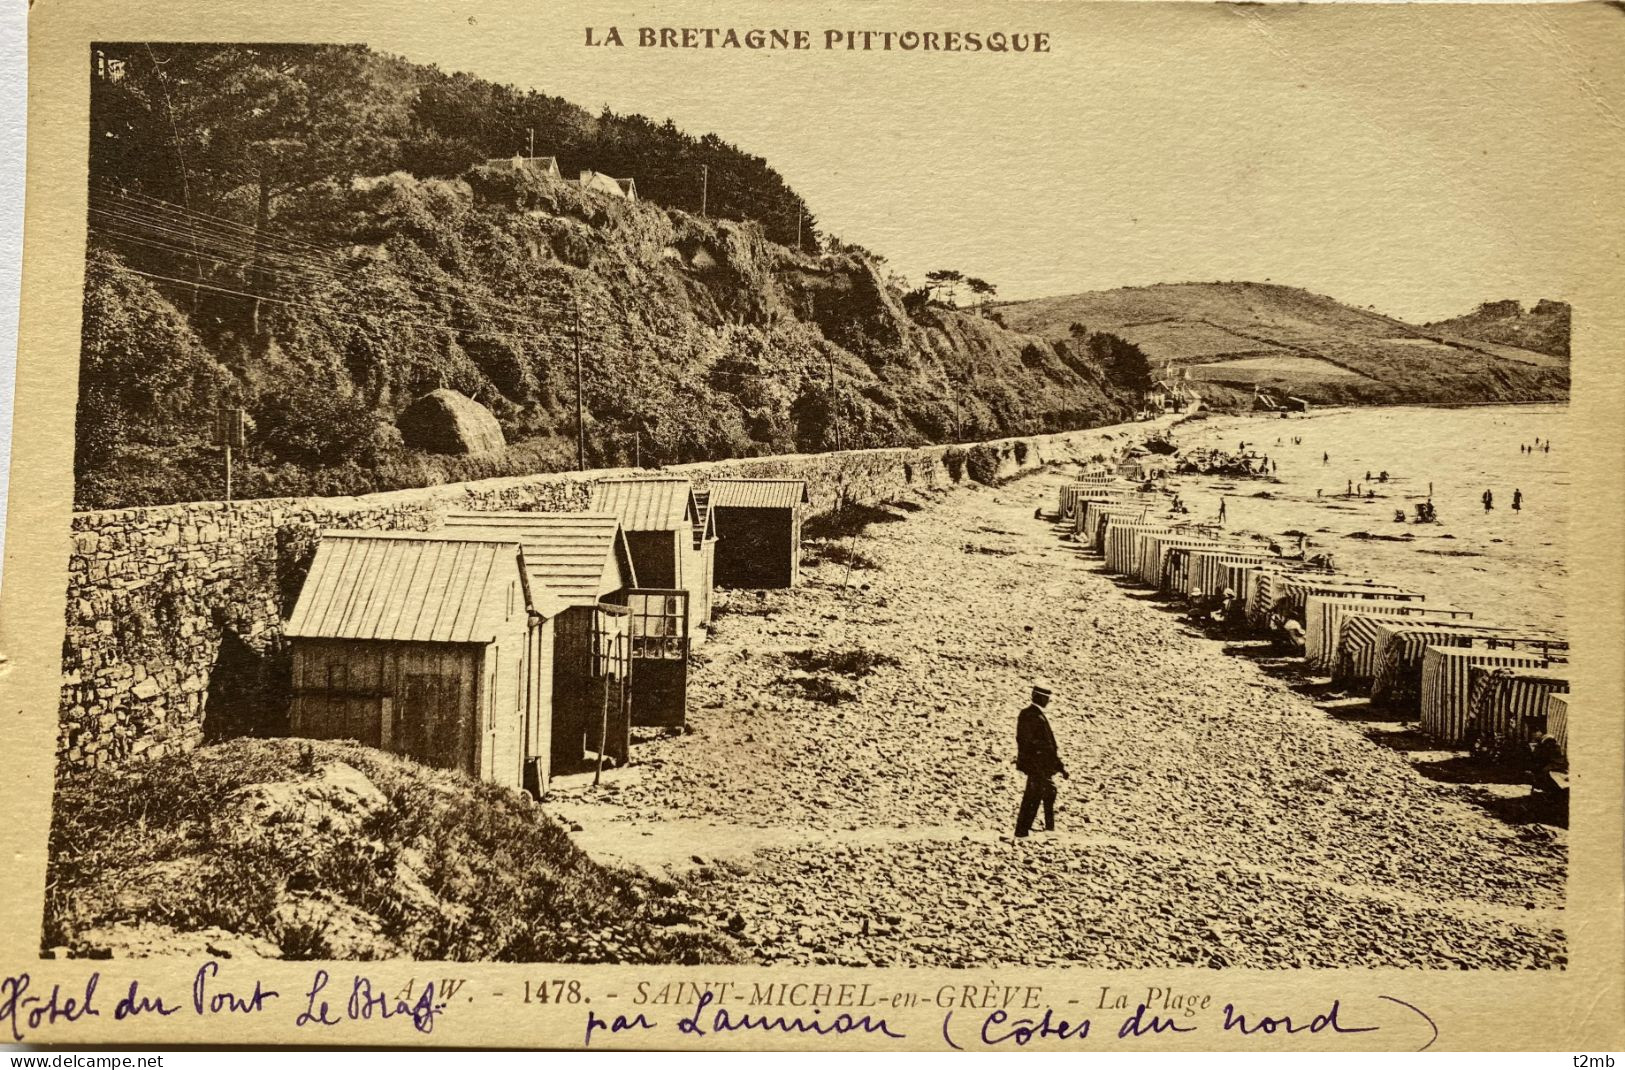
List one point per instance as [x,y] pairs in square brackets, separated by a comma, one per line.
[599,182]
[1171,392]
[547,165]
[758,524]
[432,648]
[582,561]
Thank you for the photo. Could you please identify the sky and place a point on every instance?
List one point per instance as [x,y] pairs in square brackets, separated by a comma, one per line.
[1417,160]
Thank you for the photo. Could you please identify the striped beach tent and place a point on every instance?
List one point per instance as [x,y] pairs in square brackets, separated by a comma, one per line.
[1264,589]
[1295,589]
[1557,720]
[1074,494]
[1207,568]
[1447,684]
[1358,640]
[1507,706]
[1154,548]
[1120,546]
[1188,568]
[1401,643]
[1323,622]
[1092,516]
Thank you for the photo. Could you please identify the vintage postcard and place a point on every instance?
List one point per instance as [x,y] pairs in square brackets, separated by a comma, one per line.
[1072,526]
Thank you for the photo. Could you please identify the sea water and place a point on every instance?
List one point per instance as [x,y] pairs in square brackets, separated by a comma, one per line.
[1507,566]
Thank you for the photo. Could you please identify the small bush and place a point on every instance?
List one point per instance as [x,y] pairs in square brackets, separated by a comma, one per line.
[856,663]
[982,464]
[954,460]
[839,553]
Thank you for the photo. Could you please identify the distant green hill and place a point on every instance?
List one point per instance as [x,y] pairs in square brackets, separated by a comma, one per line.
[349,233]
[1544,328]
[1238,335]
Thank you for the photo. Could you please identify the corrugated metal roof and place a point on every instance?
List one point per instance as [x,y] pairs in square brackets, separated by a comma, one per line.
[659,503]
[757,493]
[407,588]
[566,554]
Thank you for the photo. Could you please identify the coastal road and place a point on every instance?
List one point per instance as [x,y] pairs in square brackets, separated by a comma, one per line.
[848,792]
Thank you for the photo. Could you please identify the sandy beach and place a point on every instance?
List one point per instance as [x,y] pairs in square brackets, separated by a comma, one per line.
[847,791]
[1507,566]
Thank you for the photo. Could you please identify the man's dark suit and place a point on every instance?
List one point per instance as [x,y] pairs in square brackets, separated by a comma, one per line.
[1038,757]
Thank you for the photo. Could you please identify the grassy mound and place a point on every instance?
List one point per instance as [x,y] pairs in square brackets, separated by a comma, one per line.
[308,849]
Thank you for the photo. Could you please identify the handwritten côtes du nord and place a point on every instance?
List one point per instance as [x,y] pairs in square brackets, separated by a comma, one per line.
[833,40]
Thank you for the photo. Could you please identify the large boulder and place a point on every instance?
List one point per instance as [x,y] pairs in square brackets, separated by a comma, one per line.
[445,421]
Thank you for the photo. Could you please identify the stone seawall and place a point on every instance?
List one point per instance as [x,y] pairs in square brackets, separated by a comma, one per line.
[175,612]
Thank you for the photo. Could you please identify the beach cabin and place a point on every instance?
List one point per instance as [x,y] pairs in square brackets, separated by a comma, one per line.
[758,526]
[1508,707]
[1557,720]
[1324,615]
[429,648]
[1447,679]
[582,562]
[673,543]
[1403,645]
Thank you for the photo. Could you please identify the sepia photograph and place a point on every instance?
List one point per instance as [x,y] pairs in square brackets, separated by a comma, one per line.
[835,489]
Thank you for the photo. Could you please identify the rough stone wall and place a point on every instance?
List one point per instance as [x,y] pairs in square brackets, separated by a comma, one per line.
[175,612]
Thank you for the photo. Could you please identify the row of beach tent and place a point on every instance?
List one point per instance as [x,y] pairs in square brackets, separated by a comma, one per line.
[1498,689]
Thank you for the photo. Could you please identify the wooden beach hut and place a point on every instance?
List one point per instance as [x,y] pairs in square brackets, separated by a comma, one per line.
[1507,707]
[672,544]
[582,561]
[426,647]
[758,525]
[1447,684]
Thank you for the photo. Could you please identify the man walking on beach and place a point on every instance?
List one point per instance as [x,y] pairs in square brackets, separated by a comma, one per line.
[1489,501]
[1037,756]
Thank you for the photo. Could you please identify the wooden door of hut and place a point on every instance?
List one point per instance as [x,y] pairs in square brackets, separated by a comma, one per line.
[608,701]
[660,645]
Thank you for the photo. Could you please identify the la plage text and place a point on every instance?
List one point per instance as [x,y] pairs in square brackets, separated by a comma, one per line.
[787,40]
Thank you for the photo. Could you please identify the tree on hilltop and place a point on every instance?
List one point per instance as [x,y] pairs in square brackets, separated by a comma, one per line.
[945,279]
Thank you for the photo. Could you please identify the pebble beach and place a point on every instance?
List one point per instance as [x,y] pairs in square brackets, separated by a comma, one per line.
[846,791]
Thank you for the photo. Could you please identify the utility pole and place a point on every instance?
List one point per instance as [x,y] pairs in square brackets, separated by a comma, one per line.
[229,432]
[530,143]
[705,185]
[637,449]
[800,215]
[581,431]
[835,403]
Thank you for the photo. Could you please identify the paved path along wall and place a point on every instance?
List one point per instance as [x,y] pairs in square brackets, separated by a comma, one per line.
[175,612]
